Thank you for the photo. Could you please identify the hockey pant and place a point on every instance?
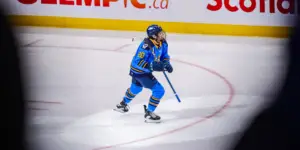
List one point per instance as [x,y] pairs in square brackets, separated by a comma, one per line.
[149,82]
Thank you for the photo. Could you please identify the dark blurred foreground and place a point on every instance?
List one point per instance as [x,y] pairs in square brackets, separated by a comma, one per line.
[275,128]
[278,127]
[12,110]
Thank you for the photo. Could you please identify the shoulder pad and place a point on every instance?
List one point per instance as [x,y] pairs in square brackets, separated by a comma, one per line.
[147,44]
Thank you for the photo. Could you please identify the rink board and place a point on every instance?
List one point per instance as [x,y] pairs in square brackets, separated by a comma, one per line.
[267,18]
[140,25]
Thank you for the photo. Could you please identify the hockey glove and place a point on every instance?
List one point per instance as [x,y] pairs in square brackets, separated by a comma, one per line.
[157,66]
[168,67]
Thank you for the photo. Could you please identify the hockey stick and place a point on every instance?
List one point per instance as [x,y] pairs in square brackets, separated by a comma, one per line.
[172,87]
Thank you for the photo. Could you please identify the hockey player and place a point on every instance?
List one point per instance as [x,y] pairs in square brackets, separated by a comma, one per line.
[151,55]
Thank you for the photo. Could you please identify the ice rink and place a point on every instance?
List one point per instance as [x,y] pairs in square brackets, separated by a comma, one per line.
[76,77]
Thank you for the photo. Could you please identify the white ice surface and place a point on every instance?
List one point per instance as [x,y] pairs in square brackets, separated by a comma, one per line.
[87,72]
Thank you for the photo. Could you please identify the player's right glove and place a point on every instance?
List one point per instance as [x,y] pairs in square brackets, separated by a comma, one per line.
[157,66]
[168,66]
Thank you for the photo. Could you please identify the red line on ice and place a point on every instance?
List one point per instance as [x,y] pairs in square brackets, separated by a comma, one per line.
[38,109]
[46,102]
[229,100]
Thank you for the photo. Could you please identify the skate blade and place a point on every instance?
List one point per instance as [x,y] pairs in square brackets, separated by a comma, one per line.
[118,110]
[152,121]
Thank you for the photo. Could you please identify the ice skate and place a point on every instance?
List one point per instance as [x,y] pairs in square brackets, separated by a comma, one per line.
[122,107]
[151,117]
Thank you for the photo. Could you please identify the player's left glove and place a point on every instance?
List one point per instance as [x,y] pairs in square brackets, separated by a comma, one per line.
[168,66]
[157,66]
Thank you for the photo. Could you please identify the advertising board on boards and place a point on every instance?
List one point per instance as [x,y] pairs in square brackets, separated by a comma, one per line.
[244,12]
[263,6]
[156,4]
[283,6]
[182,14]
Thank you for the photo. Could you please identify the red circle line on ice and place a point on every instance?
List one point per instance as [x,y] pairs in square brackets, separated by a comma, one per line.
[227,103]
[221,109]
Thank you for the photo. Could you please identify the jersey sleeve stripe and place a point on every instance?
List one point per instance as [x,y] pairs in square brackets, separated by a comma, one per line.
[137,70]
[140,63]
[145,64]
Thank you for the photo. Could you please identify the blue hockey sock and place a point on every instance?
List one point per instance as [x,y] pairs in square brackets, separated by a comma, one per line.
[131,93]
[157,94]
[128,96]
[153,103]
[127,100]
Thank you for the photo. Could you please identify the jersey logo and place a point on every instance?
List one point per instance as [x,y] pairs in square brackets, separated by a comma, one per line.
[141,55]
[145,46]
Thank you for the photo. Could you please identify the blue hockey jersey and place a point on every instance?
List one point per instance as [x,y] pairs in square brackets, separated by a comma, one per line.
[147,52]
